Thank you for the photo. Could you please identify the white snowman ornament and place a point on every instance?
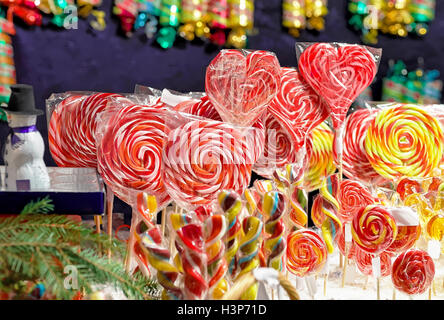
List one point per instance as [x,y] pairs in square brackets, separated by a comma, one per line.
[24,149]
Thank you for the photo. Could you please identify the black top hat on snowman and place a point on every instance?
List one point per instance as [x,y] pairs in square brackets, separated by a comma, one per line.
[22,101]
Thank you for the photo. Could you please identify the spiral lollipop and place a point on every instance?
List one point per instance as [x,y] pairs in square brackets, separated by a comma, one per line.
[435,227]
[203,108]
[373,229]
[249,250]
[194,260]
[202,157]
[274,208]
[407,186]
[404,141]
[306,253]
[215,228]
[354,157]
[405,239]
[413,271]
[231,204]
[364,262]
[160,259]
[340,241]
[331,224]
[319,153]
[352,196]
[129,154]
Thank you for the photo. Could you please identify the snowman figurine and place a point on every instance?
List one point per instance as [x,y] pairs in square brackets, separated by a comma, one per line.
[23,155]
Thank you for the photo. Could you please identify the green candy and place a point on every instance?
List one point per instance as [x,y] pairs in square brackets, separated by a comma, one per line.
[166,37]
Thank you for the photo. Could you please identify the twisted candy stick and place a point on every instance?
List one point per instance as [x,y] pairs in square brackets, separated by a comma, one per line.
[296,105]
[298,202]
[274,209]
[306,252]
[338,74]
[354,157]
[129,154]
[202,157]
[331,224]
[194,260]
[413,271]
[319,153]
[160,259]
[249,249]
[374,229]
[215,228]
[404,141]
[231,204]
[146,207]
[253,199]
[352,196]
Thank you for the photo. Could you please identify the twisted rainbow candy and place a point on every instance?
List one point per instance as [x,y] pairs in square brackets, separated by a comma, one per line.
[160,259]
[404,141]
[249,248]
[231,204]
[146,207]
[274,209]
[320,155]
[331,224]
[194,260]
[215,228]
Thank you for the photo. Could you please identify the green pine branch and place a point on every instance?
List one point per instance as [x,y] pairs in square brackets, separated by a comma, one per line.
[40,206]
[38,247]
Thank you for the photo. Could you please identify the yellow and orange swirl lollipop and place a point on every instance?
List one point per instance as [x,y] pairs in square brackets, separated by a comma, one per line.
[320,155]
[404,141]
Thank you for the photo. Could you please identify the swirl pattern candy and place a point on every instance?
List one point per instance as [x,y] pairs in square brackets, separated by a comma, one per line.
[331,224]
[306,252]
[374,229]
[202,157]
[317,215]
[130,153]
[194,259]
[72,128]
[298,202]
[435,227]
[296,105]
[274,207]
[253,199]
[281,147]
[413,271]
[215,228]
[354,157]
[160,259]
[364,262]
[340,241]
[338,74]
[231,204]
[319,152]
[405,238]
[242,83]
[203,108]
[407,186]
[404,141]
[249,249]
[352,196]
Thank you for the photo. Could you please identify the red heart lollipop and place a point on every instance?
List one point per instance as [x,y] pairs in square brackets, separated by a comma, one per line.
[242,83]
[338,73]
[296,105]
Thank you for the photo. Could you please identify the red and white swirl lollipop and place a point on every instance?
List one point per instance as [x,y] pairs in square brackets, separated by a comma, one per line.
[242,83]
[203,108]
[202,157]
[338,73]
[355,163]
[352,197]
[130,151]
[296,105]
[364,262]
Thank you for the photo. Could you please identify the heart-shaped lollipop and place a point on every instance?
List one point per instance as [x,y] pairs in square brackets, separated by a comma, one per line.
[338,73]
[296,105]
[242,83]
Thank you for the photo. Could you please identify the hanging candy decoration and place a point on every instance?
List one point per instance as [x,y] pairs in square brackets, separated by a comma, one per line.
[240,21]
[192,18]
[169,20]
[7,67]
[127,11]
[218,11]
[149,10]
[293,16]
[423,12]
[394,82]
[315,10]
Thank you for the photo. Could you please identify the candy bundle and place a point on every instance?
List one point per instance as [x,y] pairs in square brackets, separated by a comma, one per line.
[300,14]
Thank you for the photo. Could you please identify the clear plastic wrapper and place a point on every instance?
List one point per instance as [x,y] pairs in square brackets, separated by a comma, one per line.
[338,72]
[202,156]
[72,121]
[241,84]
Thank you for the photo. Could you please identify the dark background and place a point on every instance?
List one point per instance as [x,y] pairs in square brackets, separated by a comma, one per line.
[60,60]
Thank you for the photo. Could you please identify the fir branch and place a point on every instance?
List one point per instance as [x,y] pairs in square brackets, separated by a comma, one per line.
[40,206]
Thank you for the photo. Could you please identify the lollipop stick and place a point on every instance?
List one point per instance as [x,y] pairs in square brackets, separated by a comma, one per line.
[325,284]
[430,293]
[134,220]
[97,220]
[344,269]
[109,211]
[378,292]
[163,221]
[366,282]
[394,294]
[340,260]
